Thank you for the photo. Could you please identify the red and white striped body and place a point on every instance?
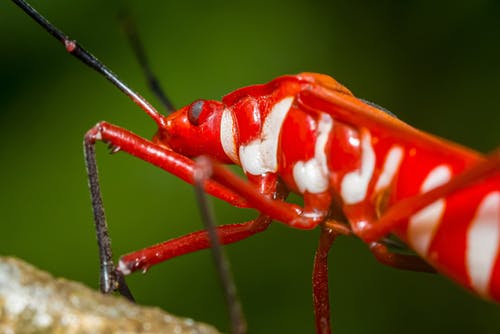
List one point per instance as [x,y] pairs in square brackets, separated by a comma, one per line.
[458,235]
[265,130]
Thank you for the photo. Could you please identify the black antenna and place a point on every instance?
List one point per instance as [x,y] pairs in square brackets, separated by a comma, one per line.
[87,58]
[130,29]
[111,279]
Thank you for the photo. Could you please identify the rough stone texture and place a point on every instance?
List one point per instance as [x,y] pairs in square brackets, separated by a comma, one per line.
[32,301]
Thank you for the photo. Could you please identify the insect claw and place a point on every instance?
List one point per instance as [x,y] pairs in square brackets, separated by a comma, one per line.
[113,149]
[121,286]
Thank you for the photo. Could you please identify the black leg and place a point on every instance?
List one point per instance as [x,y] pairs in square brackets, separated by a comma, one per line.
[110,279]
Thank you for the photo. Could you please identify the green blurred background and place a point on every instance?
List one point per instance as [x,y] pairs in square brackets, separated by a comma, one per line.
[435,64]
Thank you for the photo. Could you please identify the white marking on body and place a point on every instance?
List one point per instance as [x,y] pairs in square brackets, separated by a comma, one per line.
[228,135]
[423,224]
[391,166]
[482,245]
[353,141]
[261,155]
[312,175]
[355,184]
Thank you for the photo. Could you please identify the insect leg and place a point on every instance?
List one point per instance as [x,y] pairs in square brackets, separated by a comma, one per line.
[168,160]
[399,261]
[147,257]
[290,214]
[320,281]
[382,253]
[110,279]
[227,234]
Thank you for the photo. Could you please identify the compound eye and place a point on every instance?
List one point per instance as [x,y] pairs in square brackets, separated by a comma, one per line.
[194,112]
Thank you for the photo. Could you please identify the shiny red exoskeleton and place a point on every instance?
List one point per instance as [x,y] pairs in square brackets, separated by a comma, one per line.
[359,169]
[288,131]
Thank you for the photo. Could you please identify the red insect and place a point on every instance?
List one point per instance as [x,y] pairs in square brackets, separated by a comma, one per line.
[359,169]
[302,132]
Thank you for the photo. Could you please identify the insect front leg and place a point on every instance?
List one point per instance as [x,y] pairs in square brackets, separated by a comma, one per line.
[166,159]
[111,279]
[287,213]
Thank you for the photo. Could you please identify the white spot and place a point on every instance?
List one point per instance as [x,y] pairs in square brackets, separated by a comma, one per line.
[325,125]
[228,135]
[251,158]
[482,243]
[423,224]
[355,184]
[438,176]
[354,141]
[260,155]
[391,166]
[312,175]
[309,177]
[123,268]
